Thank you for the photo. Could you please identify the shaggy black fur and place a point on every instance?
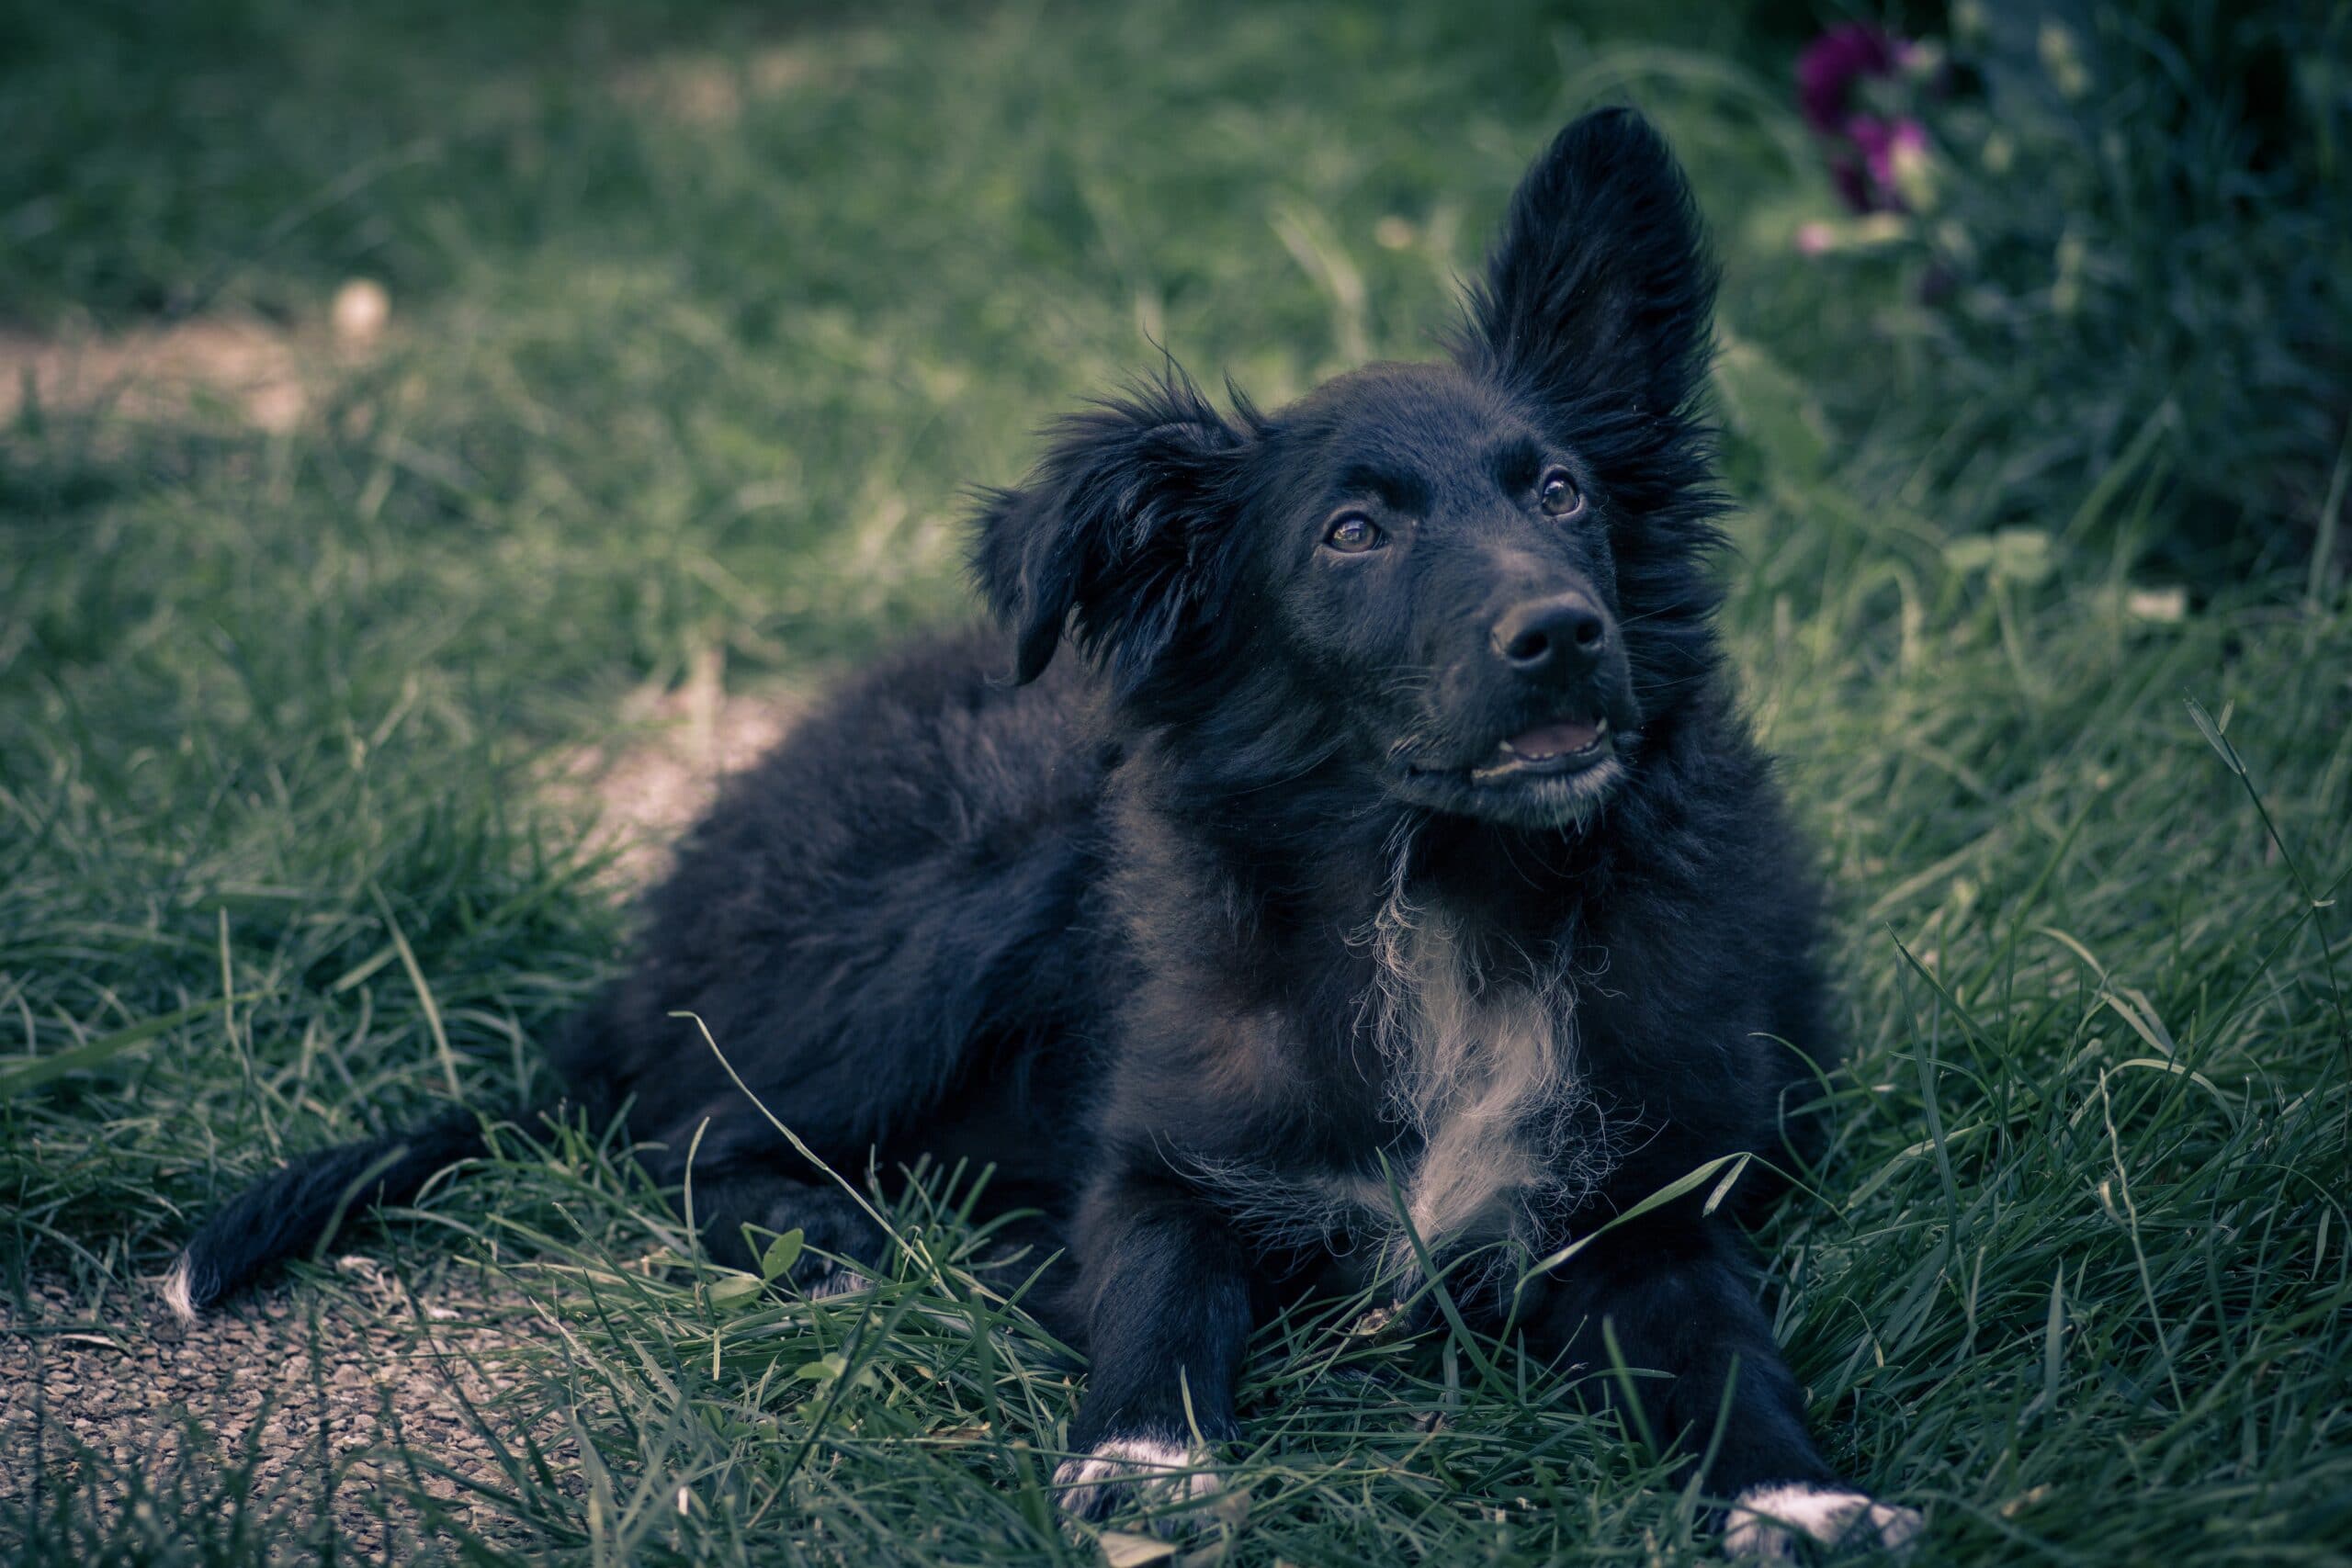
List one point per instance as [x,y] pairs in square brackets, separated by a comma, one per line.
[1393,865]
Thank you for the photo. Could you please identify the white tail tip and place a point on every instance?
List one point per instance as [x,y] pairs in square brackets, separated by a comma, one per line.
[176,1293]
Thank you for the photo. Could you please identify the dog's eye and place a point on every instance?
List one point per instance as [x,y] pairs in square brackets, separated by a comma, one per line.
[1558,494]
[1351,533]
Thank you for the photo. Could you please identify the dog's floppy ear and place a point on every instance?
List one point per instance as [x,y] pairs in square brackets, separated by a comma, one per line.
[1114,535]
[1598,289]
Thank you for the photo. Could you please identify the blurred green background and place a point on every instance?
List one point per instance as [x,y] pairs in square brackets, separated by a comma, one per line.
[702,322]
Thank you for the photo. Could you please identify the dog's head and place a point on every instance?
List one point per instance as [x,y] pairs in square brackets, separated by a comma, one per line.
[1471,585]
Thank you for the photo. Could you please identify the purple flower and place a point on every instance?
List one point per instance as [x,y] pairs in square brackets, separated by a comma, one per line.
[1833,62]
[1870,151]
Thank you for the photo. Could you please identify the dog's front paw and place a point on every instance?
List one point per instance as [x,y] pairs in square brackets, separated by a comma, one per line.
[1149,1472]
[1766,1521]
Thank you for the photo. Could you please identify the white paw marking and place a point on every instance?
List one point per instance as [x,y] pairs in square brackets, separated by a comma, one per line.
[176,1295]
[1159,1475]
[1766,1521]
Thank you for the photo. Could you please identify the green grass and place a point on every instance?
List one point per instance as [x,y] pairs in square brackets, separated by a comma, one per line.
[680,370]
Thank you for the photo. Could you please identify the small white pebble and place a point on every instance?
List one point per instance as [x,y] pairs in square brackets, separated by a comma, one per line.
[361,307]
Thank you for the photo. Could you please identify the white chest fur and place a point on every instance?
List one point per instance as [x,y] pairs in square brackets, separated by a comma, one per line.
[1481,1071]
[1494,1132]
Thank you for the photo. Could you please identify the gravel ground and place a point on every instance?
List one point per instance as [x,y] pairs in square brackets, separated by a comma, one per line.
[313,1383]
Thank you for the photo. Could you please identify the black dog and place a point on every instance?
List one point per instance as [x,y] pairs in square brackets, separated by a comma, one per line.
[1393,885]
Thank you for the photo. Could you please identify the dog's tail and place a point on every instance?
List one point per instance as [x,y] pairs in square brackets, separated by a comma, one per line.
[304,1206]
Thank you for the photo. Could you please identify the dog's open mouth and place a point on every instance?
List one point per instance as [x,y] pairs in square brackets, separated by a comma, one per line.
[1569,746]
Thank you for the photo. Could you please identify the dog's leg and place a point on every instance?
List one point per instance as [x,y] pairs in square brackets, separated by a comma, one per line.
[1678,1308]
[1168,1300]
[827,1217]
[730,1166]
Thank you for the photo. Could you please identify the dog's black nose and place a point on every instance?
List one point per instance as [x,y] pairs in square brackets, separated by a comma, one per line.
[1566,631]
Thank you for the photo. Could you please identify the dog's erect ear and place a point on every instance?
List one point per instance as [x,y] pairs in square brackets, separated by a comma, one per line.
[1599,289]
[1115,534]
